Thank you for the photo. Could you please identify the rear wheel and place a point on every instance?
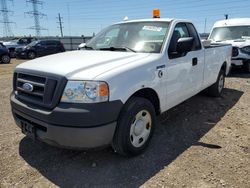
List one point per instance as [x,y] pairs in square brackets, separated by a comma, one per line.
[215,90]
[5,58]
[31,55]
[134,127]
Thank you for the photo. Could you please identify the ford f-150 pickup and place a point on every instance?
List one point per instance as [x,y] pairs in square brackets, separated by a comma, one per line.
[110,92]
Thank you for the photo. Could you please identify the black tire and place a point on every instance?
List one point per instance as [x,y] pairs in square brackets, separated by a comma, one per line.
[31,55]
[247,66]
[128,120]
[216,89]
[5,59]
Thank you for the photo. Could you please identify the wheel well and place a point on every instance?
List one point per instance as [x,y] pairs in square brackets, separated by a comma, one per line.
[151,95]
[32,51]
[224,67]
[3,54]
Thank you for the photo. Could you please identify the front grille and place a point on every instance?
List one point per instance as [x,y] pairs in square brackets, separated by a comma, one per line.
[45,92]
[18,50]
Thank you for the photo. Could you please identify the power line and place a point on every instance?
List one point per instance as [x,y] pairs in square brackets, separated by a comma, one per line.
[36,15]
[6,22]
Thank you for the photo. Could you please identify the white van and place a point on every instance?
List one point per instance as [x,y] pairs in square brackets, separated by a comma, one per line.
[236,32]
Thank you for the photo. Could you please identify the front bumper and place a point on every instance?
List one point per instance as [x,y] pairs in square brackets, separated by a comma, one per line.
[70,125]
[237,62]
[20,54]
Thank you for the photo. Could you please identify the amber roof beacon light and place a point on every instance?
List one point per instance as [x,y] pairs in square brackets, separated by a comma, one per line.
[156,13]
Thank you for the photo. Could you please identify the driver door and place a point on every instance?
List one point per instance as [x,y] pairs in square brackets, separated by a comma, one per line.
[184,72]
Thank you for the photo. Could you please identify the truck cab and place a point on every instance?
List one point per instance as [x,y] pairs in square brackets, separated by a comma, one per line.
[236,32]
[111,92]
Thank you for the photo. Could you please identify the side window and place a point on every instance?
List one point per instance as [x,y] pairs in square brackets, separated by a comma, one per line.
[180,31]
[43,43]
[51,43]
[194,34]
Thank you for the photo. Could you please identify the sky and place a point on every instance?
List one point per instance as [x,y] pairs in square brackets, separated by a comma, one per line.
[85,17]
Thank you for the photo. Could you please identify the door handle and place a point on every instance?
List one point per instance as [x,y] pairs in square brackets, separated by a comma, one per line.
[194,61]
[160,67]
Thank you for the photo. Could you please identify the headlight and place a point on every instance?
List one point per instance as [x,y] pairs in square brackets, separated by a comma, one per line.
[246,49]
[85,92]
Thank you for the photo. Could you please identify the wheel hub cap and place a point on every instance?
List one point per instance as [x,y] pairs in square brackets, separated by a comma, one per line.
[140,128]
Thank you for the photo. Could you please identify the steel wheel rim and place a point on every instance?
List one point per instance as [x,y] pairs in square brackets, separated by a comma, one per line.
[140,128]
[221,83]
[31,55]
[5,59]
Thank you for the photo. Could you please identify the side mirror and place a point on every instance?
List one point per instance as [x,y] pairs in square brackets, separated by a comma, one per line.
[206,43]
[184,45]
[81,46]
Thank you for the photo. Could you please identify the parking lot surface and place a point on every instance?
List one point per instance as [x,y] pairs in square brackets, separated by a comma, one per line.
[203,142]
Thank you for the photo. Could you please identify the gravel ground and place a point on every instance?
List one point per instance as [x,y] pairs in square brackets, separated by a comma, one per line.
[204,142]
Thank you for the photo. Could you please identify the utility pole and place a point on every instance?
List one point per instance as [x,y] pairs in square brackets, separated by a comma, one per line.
[226,16]
[60,23]
[36,15]
[6,22]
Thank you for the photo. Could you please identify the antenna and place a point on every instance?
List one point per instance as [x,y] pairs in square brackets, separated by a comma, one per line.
[205,25]
[6,22]
[60,23]
[36,15]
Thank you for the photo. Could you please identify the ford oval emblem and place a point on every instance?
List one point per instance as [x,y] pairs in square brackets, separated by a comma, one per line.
[28,87]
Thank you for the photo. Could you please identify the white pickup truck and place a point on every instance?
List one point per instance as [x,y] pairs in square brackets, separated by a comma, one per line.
[236,32]
[111,92]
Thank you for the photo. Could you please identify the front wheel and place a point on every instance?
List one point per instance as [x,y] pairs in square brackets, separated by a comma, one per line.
[215,90]
[5,59]
[134,127]
[31,55]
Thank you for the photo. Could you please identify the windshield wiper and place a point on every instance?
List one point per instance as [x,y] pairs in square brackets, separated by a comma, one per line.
[124,48]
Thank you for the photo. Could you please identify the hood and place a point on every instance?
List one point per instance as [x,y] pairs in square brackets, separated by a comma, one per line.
[10,43]
[82,64]
[240,43]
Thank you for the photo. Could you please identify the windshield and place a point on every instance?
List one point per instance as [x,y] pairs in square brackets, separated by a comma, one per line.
[230,33]
[136,36]
[33,43]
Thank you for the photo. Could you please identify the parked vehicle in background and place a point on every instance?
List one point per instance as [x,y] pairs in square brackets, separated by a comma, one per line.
[39,48]
[4,54]
[18,43]
[236,32]
[111,92]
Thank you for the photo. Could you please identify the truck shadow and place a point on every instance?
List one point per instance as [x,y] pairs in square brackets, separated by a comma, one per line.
[179,129]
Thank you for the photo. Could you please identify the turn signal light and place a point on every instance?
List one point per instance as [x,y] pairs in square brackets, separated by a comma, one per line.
[103,90]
